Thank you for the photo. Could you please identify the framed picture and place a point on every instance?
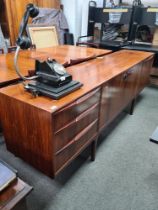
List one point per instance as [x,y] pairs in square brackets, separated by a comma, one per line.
[43,36]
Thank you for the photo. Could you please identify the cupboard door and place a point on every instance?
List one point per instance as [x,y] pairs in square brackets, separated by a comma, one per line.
[145,74]
[111,100]
[130,84]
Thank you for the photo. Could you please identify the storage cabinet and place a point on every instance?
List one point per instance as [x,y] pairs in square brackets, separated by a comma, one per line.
[11,12]
[121,90]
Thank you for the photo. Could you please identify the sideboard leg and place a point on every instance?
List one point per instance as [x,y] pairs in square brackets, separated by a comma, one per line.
[93,150]
[131,109]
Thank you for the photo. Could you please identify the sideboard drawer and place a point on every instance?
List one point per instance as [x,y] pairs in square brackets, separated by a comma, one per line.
[70,112]
[80,141]
[64,136]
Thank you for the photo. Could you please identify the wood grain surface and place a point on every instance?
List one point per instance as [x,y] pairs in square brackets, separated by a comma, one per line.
[27,58]
[49,133]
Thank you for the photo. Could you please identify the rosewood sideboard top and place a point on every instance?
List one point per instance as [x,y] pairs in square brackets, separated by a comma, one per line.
[92,74]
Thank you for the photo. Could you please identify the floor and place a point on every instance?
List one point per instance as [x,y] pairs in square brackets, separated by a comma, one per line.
[123,177]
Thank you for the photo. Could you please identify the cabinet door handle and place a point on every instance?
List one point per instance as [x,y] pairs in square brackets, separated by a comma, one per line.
[128,73]
[67,107]
[125,76]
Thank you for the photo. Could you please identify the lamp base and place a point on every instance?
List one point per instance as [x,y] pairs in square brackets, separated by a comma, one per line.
[38,88]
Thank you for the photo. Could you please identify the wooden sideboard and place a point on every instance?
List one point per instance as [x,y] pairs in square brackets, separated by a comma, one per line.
[48,133]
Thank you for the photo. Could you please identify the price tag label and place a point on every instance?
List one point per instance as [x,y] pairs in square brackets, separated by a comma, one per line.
[152,9]
[114,10]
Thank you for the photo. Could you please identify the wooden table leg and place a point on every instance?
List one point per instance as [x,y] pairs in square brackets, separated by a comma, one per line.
[93,150]
[132,105]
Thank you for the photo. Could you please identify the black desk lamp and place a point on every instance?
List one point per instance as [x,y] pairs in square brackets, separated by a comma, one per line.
[24,42]
[51,78]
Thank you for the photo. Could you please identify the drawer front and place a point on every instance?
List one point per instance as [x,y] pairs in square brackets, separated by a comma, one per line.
[66,135]
[69,113]
[63,157]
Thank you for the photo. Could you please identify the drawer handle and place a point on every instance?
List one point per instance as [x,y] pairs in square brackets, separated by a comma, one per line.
[65,126]
[81,116]
[84,114]
[125,76]
[66,108]
[87,96]
[77,138]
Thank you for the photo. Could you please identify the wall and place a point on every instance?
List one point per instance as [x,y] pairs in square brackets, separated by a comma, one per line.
[69,11]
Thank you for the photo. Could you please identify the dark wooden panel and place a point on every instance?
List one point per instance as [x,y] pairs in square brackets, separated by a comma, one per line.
[64,136]
[80,141]
[70,112]
[29,135]
[111,100]
[144,76]
[130,85]
[121,90]
[90,134]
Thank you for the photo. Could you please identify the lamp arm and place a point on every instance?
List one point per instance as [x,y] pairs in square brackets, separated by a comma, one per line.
[17,67]
[23,42]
